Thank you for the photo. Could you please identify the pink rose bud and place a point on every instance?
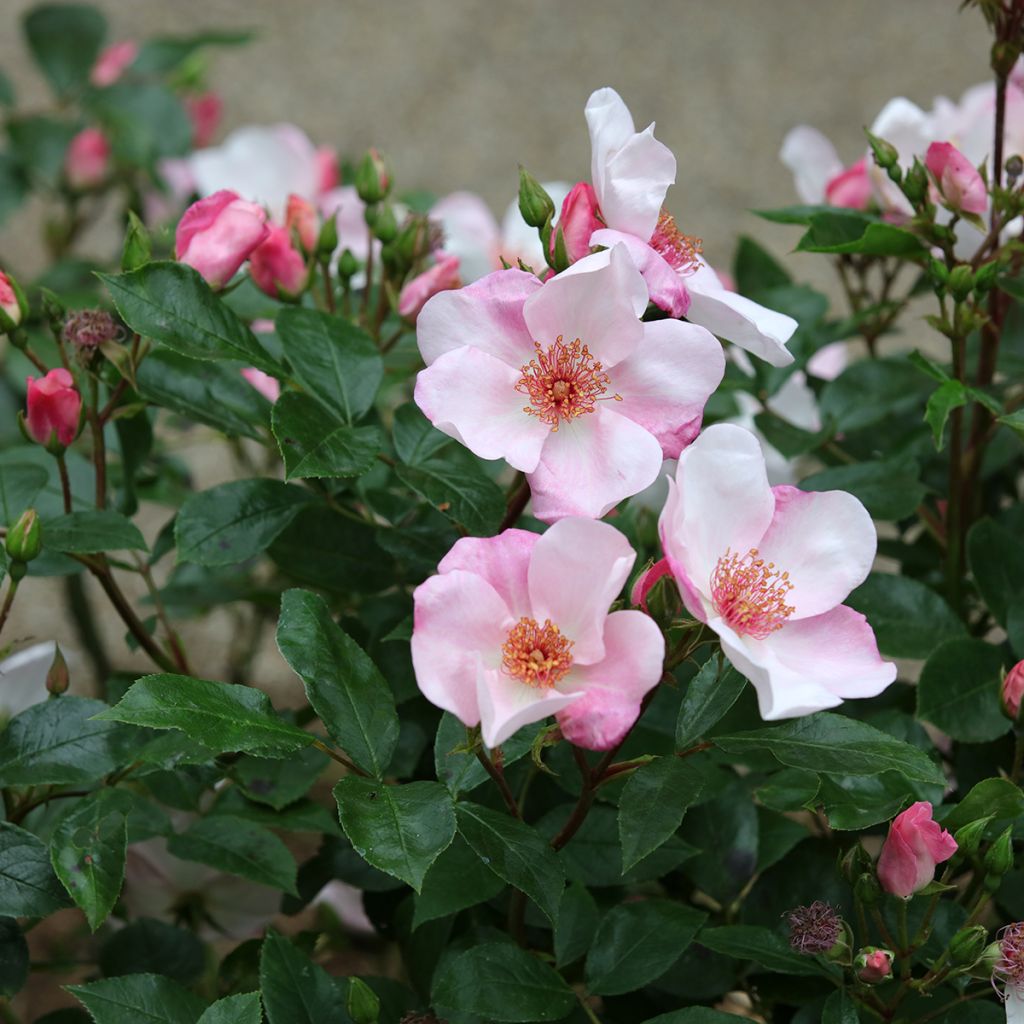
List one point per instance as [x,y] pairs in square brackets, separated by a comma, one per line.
[12,304]
[217,234]
[53,407]
[113,62]
[645,583]
[851,188]
[269,387]
[277,267]
[873,965]
[957,183]
[87,161]
[300,218]
[578,221]
[204,111]
[1013,690]
[328,174]
[441,277]
[912,849]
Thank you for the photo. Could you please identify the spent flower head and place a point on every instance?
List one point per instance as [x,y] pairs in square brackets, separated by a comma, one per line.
[813,929]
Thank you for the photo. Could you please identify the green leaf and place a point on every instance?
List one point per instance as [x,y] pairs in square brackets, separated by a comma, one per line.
[515,852]
[88,851]
[764,947]
[840,1009]
[171,303]
[221,716]
[65,40]
[709,695]
[652,805]
[796,214]
[958,691]
[212,393]
[144,121]
[342,683]
[39,145]
[577,924]
[13,185]
[28,886]
[237,847]
[909,619]
[314,446]
[455,484]
[854,802]
[456,880]
[164,54]
[88,533]
[996,557]
[241,1009]
[693,1015]
[500,982]
[726,835]
[1015,421]
[999,798]
[235,521]
[20,484]
[755,269]
[60,743]
[278,782]
[835,745]
[415,437]
[950,395]
[871,391]
[334,360]
[138,999]
[788,439]
[454,765]
[835,232]
[638,942]
[890,489]
[399,829]
[13,958]
[148,946]
[296,990]
[7,95]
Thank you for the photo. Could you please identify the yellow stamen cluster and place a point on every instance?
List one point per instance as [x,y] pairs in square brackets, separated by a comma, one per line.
[750,594]
[536,655]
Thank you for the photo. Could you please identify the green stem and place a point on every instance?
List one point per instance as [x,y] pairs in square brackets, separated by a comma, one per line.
[12,589]
[498,775]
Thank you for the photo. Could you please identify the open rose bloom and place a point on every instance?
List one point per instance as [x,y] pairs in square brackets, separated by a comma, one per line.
[563,380]
[767,569]
[515,628]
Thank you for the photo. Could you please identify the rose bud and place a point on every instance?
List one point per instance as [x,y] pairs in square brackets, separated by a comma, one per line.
[216,235]
[53,407]
[958,184]
[578,220]
[277,267]
[873,965]
[12,303]
[204,110]
[373,179]
[24,539]
[87,161]
[535,205]
[914,846]
[113,62]
[1012,689]
[442,276]
[57,677]
[300,218]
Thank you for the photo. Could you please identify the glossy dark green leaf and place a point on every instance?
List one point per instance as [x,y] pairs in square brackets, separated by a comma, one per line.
[241,1009]
[278,782]
[515,852]
[13,957]
[501,982]
[949,395]
[958,691]
[20,484]
[842,232]
[853,802]
[312,445]
[65,40]
[345,687]
[87,533]
[137,998]
[796,214]
[456,880]
[638,942]
[170,303]
[792,789]
[399,829]
[221,716]
[148,946]
[909,619]
[755,269]
[694,1015]
[237,847]
[776,836]
[234,521]
[416,439]
[996,556]
[295,990]
[764,947]
[577,924]
[998,797]
[28,886]
[334,360]
[872,390]
[840,1009]
[890,489]
[709,695]
[725,833]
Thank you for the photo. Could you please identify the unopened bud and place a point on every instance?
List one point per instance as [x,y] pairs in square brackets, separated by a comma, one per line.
[873,965]
[327,240]
[939,272]
[867,889]
[1011,691]
[348,265]
[57,677]
[373,179]
[987,963]
[966,947]
[961,282]
[137,248]
[53,309]
[13,306]
[915,183]
[855,862]
[999,858]
[363,1003]
[535,204]
[986,276]
[885,153]
[386,226]
[968,837]
[24,539]
[1014,167]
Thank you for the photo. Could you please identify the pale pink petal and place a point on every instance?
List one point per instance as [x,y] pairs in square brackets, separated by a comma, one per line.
[598,300]
[825,540]
[269,387]
[1014,1005]
[665,285]
[724,502]
[812,159]
[501,560]
[611,126]
[761,331]
[828,362]
[666,383]
[459,624]
[676,555]
[347,209]
[615,686]
[577,569]
[506,705]
[487,315]
[471,396]
[592,463]
[470,232]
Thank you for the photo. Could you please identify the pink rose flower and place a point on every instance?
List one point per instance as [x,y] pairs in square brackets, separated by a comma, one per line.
[914,845]
[87,161]
[563,381]
[269,387]
[766,568]
[1013,690]
[277,267]
[205,111]
[217,234]
[957,183]
[578,220]
[113,62]
[631,173]
[9,304]
[819,174]
[442,276]
[516,627]
[300,217]
[53,407]
[850,188]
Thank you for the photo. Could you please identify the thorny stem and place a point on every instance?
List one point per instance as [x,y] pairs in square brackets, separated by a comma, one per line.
[173,640]
[498,775]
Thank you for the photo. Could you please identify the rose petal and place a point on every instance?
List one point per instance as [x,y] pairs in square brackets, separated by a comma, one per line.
[507,704]
[502,561]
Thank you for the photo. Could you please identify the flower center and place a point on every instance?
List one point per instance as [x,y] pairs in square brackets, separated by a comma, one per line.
[681,252]
[750,594]
[536,655]
[1010,966]
[562,382]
